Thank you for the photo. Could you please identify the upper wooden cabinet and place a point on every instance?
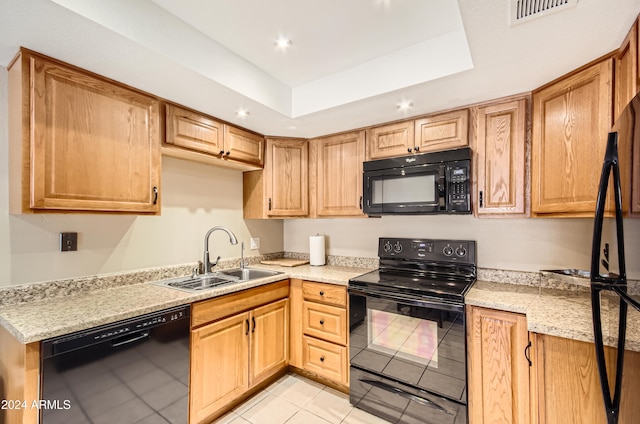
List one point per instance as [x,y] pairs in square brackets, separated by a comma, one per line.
[390,140]
[192,130]
[499,146]
[498,371]
[571,119]
[282,188]
[443,131]
[80,142]
[208,139]
[431,133]
[626,71]
[336,170]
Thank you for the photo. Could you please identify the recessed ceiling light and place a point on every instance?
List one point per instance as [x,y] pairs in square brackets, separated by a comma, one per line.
[242,113]
[283,42]
[405,105]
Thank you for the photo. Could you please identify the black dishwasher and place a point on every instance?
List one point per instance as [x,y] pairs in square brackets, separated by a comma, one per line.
[130,371]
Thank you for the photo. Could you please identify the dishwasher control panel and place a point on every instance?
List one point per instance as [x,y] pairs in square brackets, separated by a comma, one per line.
[135,327]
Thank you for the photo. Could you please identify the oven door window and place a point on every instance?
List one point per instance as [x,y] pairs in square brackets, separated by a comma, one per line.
[420,346]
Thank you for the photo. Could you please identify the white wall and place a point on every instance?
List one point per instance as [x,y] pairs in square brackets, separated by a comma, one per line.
[512,244]
[195,197]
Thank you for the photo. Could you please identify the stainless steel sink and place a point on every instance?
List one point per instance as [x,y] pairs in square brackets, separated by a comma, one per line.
[198,282]
[246,274]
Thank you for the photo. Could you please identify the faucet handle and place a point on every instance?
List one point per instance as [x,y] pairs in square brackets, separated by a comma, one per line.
[194,271]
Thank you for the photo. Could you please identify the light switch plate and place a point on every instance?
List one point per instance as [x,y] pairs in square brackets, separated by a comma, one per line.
[68,242]
[255,243]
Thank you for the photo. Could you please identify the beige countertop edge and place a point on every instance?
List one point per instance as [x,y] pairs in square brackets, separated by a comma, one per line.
[49,318]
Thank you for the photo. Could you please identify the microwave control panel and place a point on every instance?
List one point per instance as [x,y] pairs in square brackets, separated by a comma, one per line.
[458,186]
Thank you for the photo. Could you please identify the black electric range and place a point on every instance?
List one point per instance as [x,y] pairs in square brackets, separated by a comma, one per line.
[408,334]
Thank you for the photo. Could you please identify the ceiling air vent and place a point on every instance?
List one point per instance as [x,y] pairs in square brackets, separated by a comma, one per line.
[524,10]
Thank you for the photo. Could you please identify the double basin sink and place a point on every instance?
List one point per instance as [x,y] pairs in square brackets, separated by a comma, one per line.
[216,279]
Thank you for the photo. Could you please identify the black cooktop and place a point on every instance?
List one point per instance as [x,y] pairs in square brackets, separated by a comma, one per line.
[420,268]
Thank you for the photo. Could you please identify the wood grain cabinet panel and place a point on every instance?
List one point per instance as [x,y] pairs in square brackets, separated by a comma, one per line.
[567,386]
[243,145]
[500,138]
[324,293]
[326,359]
[498,371]
[269,340]
[443,131]
[325,322]
[571,119]
[626,71]
[281,189]
[338,188]
[192,130]
[89,144]
[390,140]
[219,365]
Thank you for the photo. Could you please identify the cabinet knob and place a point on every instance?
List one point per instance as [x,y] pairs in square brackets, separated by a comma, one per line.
[322,359]
[228,153]
[321,293]
[417,148]
[409,149]
[221,152]
[321,322]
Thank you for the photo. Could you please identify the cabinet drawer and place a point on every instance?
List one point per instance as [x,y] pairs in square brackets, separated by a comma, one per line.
[325,293]
[325,322]
[326,359]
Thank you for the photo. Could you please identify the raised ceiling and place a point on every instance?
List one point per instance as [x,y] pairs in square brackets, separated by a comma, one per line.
[351,62]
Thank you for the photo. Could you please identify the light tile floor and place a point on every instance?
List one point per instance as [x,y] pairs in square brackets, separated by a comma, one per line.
[297,400]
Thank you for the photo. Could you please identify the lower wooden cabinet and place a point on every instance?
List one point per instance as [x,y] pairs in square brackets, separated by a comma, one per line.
[233,354]
[498,371]
[566,385]
[319,331]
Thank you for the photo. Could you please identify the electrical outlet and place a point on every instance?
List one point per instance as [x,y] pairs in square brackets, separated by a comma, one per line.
[255,243]
[68,242]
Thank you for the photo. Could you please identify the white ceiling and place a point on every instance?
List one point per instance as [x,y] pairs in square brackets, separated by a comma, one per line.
[351,62]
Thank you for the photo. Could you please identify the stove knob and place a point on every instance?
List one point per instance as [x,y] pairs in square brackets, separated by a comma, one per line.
[448,251]
[397,247]
[461,251]
[387,247]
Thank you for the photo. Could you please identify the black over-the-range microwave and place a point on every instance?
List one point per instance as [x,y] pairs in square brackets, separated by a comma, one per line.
[428,183]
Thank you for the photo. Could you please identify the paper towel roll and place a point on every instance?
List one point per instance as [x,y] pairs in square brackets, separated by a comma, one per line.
[316,250]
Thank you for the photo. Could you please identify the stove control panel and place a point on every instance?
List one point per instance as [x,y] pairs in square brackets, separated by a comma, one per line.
[455,251]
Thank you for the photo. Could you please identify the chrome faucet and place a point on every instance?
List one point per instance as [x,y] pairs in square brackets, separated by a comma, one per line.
[207,263]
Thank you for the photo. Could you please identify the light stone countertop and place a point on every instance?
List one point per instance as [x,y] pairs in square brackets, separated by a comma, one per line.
[563,313]
[55,316]
[555,312]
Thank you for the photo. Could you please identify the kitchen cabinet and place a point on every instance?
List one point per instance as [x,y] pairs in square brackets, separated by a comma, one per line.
[498,371]
[281,189]
[196,136]
[319,332]
[626,71]
[390,140]
[336,174]
[571,119]
[239,343]
[566,385]
[500,158]
[442,131]
[19,379]
[80,142]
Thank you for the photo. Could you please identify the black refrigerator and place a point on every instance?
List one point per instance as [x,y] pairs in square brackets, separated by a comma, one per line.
[615,284]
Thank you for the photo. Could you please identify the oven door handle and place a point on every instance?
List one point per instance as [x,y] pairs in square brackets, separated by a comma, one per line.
[402,393]
[398,297]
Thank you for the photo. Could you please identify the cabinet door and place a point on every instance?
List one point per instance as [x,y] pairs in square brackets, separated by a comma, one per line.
[442,132]
[243,145]
[193,130]
[287,165]
[269,340]
[339,174]
[500,149]
[219,365]
[568,383]
[571,119]
[390,140]
[626,77]
[94,144]
[497,368]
